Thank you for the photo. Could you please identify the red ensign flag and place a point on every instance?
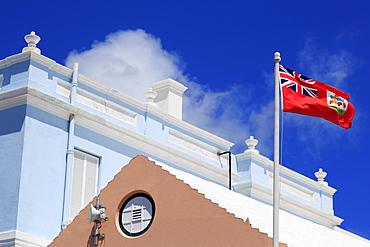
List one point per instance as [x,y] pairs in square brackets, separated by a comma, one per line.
[305,96]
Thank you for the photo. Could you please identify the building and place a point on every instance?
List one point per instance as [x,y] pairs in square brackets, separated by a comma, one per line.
[64,137]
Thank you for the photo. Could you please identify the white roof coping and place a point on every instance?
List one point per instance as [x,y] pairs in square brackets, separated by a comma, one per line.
[284,170]
[29,55]
[170,84]
[169,97]
[294,230]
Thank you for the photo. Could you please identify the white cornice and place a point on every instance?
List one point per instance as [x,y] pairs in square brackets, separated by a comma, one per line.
[289,204]
[17,238]
[115,94]
[117,132]
[13,98]
[96,102]
[156,112]
[29,55]
[190,128]
[169,84]
[196,146]
[152,147]
[286,171]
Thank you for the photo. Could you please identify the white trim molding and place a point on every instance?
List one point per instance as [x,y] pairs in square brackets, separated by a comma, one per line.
[289,204]
[101,125]
[21,239]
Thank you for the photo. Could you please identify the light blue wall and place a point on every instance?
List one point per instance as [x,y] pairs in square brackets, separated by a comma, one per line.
[114,155]
[15,75]
[326,202]
[253,171]
[11,148]
[42,177]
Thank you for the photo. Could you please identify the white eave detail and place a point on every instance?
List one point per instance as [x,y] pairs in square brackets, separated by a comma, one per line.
[110,92]
[96,123]
[286,171]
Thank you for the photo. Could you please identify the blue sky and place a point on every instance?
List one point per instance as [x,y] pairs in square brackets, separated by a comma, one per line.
[223,51]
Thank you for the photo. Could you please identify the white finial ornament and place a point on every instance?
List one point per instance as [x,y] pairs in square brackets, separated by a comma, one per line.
[32,39]
[150,96]
[251,143]
[320,175]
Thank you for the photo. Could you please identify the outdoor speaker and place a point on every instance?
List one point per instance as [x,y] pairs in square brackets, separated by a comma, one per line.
[96,214]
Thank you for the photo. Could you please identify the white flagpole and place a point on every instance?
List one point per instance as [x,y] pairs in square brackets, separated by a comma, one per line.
[276,189]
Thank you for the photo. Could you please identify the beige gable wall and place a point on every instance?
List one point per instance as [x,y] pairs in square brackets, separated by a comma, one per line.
[183,216]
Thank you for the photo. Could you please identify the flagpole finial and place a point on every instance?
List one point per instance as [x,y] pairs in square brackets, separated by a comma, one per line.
[277,57]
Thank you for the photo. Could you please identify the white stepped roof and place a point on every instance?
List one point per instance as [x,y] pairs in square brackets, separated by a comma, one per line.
[294,231]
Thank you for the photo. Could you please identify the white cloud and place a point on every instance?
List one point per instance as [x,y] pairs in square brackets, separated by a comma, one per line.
[221,113]
[130,61]
[262,125]
[325,66]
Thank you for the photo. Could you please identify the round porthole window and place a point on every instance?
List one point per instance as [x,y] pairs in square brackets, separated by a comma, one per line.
[137,214]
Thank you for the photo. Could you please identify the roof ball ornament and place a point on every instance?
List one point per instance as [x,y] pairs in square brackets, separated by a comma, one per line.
[150,96]
[32,39]
[251,143]
[320,175]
